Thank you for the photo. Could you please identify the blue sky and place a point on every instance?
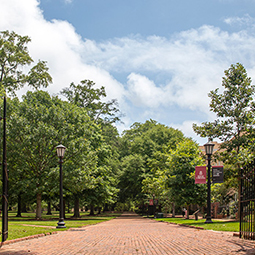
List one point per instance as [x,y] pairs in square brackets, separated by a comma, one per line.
[102,20]
[159,59]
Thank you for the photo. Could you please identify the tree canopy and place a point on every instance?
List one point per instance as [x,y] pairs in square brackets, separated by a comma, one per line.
[101,168]
[232,108]
[13,56]
[85,95]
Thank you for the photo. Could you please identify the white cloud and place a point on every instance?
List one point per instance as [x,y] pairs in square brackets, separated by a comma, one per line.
[58,44]
[159,71]
[246,20]
[195,60]
[186,128]
[143,92]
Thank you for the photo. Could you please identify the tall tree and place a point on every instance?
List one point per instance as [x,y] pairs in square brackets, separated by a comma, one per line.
[133,173]
[235,116]
[14,59]
[39,124]
[85,95]
[232,107]
[105,142]
[181,168]
[14,55]
[142,149]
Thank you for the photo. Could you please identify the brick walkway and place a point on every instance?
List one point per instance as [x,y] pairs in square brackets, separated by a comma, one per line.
[131,234]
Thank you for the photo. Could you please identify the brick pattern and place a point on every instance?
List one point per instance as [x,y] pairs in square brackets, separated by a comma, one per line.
[131,234]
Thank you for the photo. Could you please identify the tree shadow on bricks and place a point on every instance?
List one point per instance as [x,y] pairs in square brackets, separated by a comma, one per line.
[3,252]
[247,248]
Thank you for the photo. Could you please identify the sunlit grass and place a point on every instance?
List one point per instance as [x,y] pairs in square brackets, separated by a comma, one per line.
[217,225]
[27,225]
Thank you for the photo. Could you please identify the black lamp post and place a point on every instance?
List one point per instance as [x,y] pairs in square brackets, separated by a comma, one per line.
[5,182]
[60,152]
[209,151]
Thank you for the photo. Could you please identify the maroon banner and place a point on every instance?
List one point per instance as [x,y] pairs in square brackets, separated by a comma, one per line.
[200,175]
[151,201]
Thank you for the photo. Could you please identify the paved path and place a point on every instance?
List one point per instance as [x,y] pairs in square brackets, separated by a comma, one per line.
[131,234]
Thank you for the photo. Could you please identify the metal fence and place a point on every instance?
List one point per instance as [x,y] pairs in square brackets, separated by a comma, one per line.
[247,202]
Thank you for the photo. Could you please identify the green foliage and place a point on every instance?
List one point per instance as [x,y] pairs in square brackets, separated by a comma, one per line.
[181,168]
[149,137]
[100,179]
[222,193]
[233,110]
[149,158]
[40,123]
[38,76]
[143,160]
[128,206]
[159,160]
[155,181]
[86,96]
[133,171]
[13,55]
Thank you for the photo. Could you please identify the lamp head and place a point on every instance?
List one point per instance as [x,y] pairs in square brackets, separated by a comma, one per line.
[61,150]
[209,148]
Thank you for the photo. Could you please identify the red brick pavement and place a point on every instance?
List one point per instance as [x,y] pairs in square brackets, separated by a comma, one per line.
[131,234]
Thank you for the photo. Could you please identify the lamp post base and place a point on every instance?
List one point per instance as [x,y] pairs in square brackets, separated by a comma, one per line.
[61,224]
[208,220]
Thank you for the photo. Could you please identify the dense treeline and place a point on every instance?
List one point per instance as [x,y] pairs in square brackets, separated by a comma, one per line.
[104,170]
[100,168]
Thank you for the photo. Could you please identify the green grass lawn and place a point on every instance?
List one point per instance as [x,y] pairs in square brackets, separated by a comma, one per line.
[27,225]
[217,225]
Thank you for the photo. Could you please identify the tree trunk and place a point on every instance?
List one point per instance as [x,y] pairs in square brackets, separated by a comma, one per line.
[173,213]
[76,208]
[68,206]
[92,210]
[106,208]
[19,206]
[49,209]
[38,206]
[187,217]
[99,210]
[23,207]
